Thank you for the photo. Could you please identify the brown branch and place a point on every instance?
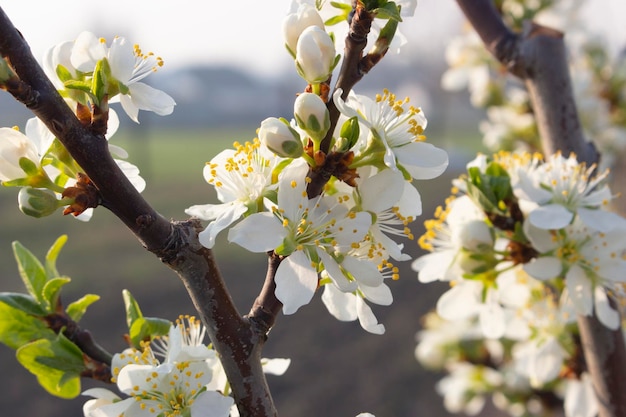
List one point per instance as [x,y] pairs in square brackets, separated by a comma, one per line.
[538,57]
[176,244]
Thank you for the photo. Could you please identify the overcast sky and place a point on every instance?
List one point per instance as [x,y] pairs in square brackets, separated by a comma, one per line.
[246,33]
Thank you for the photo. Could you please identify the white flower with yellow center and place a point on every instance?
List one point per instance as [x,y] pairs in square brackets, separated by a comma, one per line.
[588,260]
[311,234]
[129,65]
[395,134]
[562,188]
[242,179]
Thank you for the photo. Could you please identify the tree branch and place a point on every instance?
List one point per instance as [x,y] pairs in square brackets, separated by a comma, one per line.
[538,57]
[176,244]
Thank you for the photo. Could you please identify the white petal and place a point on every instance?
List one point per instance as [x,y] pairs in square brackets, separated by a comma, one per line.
[149,98]
[230,214]
[380,295]
[367,319]
[601,220]
[460,301]
[546,267]
[111,410]
[491,318]
[580,398]
[87,51]
[122,59]
[364,271]
[423,160]
[433,266]
[296,282]
[335,273]
[579,290]
[101,393]
[410,204]
[276,366]
[550,216]
[129,107]
[381,191]
[211,404]
[259,232]
[340,305]
[606,314]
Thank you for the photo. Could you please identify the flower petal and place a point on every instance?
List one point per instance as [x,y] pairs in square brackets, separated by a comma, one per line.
[550,216]
[606,314]
[260,232]
[367,319]
[211,404]
[340,305]
[296,282]
[546,267]
[422,160]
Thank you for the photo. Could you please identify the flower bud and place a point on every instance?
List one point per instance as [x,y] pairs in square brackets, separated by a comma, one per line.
[37,202]
[312,115]
[295,23]
[315,55]
[14,146]
[280,138]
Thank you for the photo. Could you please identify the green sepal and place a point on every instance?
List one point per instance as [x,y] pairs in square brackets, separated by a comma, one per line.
[286,248]
[147,328]
[56,363]
[32,272]
[83,86]
[336,20]
[18,327]
[63,73]
[22,302]
[279,168]
[77,309]
[51,291]
[29,167]
[350,130]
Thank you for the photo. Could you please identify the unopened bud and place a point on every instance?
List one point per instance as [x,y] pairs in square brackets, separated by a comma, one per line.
[315,55]
[280,138]
[15,147]
[295,23]
[312,115]
[37,202]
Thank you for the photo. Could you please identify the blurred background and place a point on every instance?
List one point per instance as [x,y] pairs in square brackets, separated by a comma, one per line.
[227,70]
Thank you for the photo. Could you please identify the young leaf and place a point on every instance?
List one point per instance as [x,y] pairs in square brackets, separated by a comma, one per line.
[53,254]
[56,363]
[18,328]
[133,312]
[22,302]
[51,291]
[77,309]
[32,272]
[146,328]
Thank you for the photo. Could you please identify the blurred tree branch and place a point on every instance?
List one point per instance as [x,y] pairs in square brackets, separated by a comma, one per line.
[538,57]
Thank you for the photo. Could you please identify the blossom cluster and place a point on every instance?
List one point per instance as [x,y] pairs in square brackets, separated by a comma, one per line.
[89,75]
[527,245]
[342,237]
[174,375]
[510,124]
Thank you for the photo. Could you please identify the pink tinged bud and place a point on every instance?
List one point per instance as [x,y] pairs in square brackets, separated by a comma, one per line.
[312,115]
[13,147]
[37,202]
[315,55]
[295,23]
[280,138]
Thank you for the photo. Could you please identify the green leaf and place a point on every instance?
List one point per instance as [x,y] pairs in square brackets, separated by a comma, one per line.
[32,272]
[335,20]
[56,363]
[133,312]
[51,291]
[63,73]
[388,11]
[22,302]
[78,85]
[18,328]
[77,309]
[146,328]
[53,254]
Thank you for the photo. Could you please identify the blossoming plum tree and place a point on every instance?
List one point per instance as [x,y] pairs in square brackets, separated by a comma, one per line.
[528,242]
